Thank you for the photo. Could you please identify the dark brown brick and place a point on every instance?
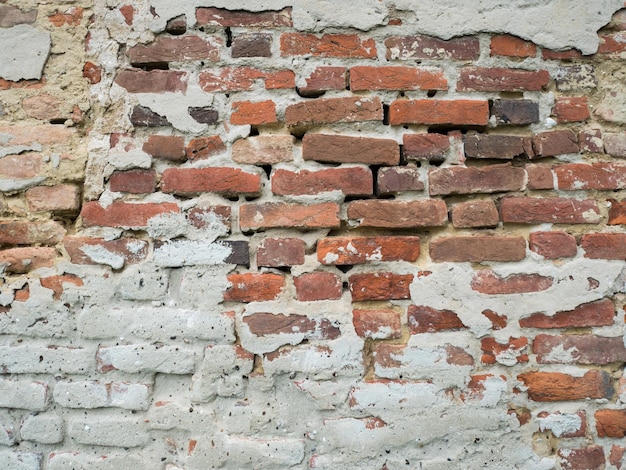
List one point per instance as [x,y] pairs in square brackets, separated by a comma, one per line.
[501,79]
[432,147]
[504,147]
[142,116]
[397,179]
[252,45]
[133,181]
[347,149]
[427,47]
[550,144]
[166,147]
[468,180]
[242,18]
[204,115]
[515,112]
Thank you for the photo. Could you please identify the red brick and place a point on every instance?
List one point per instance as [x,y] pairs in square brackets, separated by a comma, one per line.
[280,79]
[22,232]
[477,249]
[397,78]
[423,319]
[356,181]
[59,198]
[501,79]
[317,286]
[604,245]
[22,84]
[602,176]
[71,17]
[254,113]
[555,386]
[25,165]
[204,147]
[266,324]
[325,79]
[133,181]
[173,49]
[617,212]
[276,252]
[536,210]
[85,250]
[540,176]
[571,109]
[128,13]
[252,287]
[23,260]
[377,324]
[263,149]
[43,106]
[611,423]
[469,180]
[488,282]
[498,322]
[550,144]
[475,214]
[57,283]
[600,313]
[204,114]
[612,43]
[426,47]
[425,146]
[398,214]
[243,78]
[567,54]
[553,245]
[497,146]
[237,18]
[252,45]
[357,250]
[550,422]
[578,349]
[153,81]
[445,112]
[124,214]
[380,286]
[166,147]
[587,458]
[515,112]
[617,456]
[203,217]
[328,148]
[397,179]
[329,45]
[507,354]
[222,180]
[282,215]
[512,46]
[325,111]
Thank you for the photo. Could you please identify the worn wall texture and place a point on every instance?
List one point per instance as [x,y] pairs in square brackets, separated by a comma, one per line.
[312,234]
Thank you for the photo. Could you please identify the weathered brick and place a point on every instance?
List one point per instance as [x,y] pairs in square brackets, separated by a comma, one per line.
[614,144]
[43,429]
[114,253]
[540,176]
[477,249]
[263,149]
[329,148]
[617,212]
[379,286]
[265,324]
[57,283]
[214,217]
[553,245]
[52,359]
[23,394]
[536,210]
[329,45]
[488,282]
[243,18]
[357,250]
[252,287]
[204,115]
[507,354]
[222,180]
[397,179]
[475,214]
[550,144]
[578,349]
[59,198]
[317,286]
[423,319]
[166,147]
[600,313]
[146,358]
[397,78]
[11,16]
[229,79]
[325,79]
[96,394]
[515,112]
[23,260]
[153,81]
[254,113]
[395,361]
[124,214]
[432,147]
[377,324]
[444,112]
[511,46]
[23,166]
[71,17]
[604,245]
[322,111]
[108,431]
[133,181]
[563,424]
[611,423]
[576,77]
[181,252]
[427,47]
[616,456]
[498,322]
[77,460]
[204,147]
[355,181]
[128,12]
[275,252]
[556,386]
[252,45]
[43,106]
[142,116]
[173,49]
[547,54]
[398,214]
[22,232]
[601,176]
[571,109]
[501,79]
[20,460]
[468,180]
[584,458]
[277,215]
[497,146]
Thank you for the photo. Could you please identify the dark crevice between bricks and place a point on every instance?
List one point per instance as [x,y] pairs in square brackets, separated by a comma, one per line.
[431,93]
[385,114]
[146,67]
[229,37]
[268,170]
[254,131]
[344,268]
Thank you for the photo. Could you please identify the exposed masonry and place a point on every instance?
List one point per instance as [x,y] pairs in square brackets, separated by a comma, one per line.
[333,235]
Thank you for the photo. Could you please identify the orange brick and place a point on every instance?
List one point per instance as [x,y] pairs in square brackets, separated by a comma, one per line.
[512,46]
[448,112]
[253,113]
[329,45]
[397,78]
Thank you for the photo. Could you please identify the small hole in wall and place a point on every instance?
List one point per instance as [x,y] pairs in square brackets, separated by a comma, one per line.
[344,268]
[254,131]
[431,93]
[229,37]
[386,114]
[267,169]
[57,121]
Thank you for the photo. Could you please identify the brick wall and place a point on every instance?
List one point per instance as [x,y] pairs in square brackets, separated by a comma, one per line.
[234,239]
